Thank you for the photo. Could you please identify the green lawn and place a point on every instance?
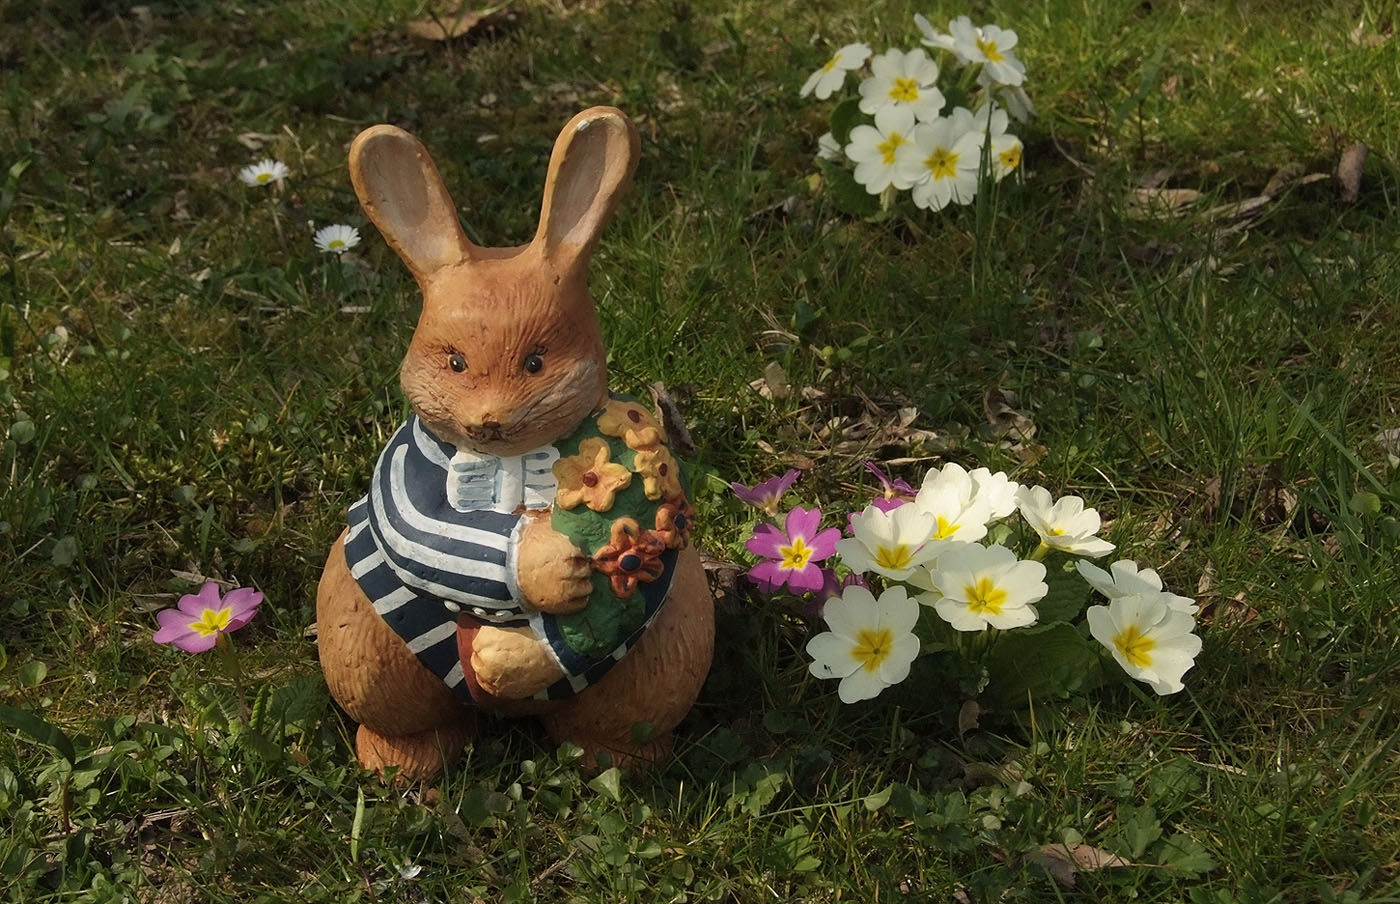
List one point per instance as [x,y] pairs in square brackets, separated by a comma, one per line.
[188,389]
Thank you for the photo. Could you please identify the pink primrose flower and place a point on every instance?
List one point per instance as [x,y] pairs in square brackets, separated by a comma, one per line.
[791,556]
[765,496]
[197,620]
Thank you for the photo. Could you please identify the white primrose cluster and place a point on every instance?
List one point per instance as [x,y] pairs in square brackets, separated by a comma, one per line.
[906,140]
[932,548]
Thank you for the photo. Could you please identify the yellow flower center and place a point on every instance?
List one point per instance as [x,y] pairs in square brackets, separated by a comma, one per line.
[1055,531]
[264,177]
[335,244]
[985,596]
[945,529]
[893,558]
[943,163]
[212,621]
[872,648]
[887,149]
[796,556]
[989,50]
[1135,646]
[904,90]
[1010,158]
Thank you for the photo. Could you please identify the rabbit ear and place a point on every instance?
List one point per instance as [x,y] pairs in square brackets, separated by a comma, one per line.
[401,191]
[592,163]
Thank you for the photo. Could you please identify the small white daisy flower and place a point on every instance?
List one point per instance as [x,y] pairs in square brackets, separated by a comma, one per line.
[264,172]
[1151,640]
[826,80]
[336,239]
[990,46]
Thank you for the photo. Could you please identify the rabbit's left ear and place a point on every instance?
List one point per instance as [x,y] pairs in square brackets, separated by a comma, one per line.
[591,166]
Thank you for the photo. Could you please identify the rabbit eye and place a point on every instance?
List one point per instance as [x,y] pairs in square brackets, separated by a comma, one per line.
[457,362]
[533,363]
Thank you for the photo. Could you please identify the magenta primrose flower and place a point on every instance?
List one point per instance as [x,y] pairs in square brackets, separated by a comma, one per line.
[197,620]
[792,556]
[765,496]
[893,493]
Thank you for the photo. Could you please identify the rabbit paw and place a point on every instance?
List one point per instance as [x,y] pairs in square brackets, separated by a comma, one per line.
[553,574]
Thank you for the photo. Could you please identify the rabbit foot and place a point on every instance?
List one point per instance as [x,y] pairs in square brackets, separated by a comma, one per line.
[419,756]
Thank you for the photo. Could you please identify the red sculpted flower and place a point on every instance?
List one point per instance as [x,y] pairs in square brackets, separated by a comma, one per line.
[673,523]
[632,556]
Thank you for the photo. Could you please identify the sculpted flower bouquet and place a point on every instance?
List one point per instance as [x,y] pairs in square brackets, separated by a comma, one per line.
[935,126]
[936,572]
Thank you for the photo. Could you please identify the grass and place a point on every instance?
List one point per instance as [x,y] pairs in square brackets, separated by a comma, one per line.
[187,389]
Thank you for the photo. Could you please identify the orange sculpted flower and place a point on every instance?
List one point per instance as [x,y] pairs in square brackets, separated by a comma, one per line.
[661,476]
[632,556]
[632,422]
[673,523]
[589,477]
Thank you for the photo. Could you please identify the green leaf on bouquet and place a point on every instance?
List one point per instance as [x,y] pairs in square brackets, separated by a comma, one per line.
[844,117]
[1039,664]
[846,193]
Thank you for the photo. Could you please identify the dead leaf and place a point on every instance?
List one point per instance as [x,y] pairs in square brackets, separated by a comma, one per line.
[968,714]
[1349,171]
[1065,861]
[460,22]
[999,405]
[254,141]
[677,434]
[1160,202]
[774,385]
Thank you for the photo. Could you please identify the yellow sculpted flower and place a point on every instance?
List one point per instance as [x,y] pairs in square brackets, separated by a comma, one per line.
[590,477]
[632,422]
[661,476]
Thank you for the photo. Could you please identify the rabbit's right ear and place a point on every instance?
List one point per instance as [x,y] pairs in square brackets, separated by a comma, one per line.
[401,191]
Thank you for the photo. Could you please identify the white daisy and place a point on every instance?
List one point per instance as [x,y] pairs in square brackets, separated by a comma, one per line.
[990,46]
[264,172]
[336,239]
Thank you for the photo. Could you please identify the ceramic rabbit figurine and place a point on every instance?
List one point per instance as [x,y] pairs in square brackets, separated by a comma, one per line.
[523,547]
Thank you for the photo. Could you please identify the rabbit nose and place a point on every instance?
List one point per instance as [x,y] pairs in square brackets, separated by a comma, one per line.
[491,424]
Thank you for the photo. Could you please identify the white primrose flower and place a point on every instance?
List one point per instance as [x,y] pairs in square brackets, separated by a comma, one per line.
[264,172]
[891,544]
[1065,525]
[336,239]
[828,148]
[875,149]
[1013,97]
[832,75]
[948,496]
[901,79]
[1150,639]
[942,163]
[1005,149]
[977,586]
[995,492]
[935,39]
[871,642]
[990,46]
[1123,578]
